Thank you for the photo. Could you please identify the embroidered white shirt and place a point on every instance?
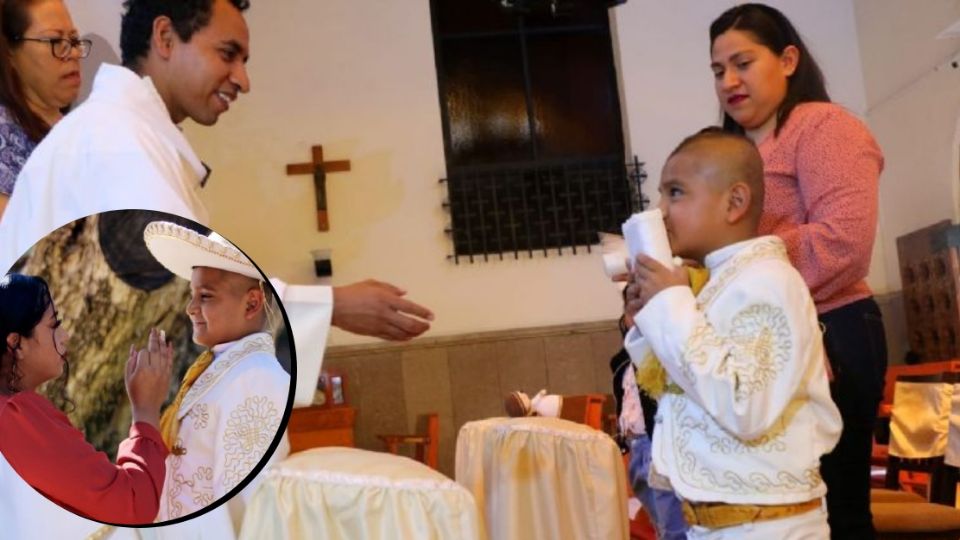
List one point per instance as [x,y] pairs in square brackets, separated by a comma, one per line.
[228,420]
[755,414]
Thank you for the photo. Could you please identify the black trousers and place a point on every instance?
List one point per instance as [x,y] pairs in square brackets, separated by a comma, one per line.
[857,349]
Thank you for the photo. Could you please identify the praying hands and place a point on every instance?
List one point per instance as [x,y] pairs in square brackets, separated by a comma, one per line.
[147,377]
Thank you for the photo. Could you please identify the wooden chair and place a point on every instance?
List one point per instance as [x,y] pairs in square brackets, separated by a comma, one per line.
[915,521]
[880,452]
[426,445]
[927,368]
[584,409]
[942,477]
[314,427]
[895,516]
[902,515]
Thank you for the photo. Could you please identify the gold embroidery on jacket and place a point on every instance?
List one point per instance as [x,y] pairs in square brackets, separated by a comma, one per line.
[200,415]
[709,477]
[758,345]
[261,343]
[760,341]
[250,430]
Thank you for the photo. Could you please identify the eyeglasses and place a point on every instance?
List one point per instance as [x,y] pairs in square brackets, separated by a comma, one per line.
[60,48]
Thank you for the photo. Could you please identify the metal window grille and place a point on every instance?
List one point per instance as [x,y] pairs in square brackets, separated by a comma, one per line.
[509,209]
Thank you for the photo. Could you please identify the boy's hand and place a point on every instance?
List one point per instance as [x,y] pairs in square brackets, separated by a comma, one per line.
[649,277]
[620,278]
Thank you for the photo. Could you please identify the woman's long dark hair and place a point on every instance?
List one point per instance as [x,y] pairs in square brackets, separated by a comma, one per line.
[23,302]
[771,28]
[14,21]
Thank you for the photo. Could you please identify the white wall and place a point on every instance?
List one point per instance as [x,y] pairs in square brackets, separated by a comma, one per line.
[100,22]
[101,18]
[359,77]
[914,111]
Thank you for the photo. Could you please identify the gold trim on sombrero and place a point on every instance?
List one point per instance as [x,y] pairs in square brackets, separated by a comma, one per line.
[180,250]
[172,230]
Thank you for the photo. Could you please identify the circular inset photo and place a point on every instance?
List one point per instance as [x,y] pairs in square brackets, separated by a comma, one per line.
[141,381]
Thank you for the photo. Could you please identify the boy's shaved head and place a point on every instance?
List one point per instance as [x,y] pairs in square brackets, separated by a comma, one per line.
[239,283]
[725,158]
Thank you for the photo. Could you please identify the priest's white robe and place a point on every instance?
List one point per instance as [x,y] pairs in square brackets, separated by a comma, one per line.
[120,150]
[117,150]
[755,413]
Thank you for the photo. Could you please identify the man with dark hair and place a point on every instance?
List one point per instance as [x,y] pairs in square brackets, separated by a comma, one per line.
[195,52]
[122,148]
[136,28]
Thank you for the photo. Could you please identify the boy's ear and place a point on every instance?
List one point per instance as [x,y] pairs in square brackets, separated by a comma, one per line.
[254,303]
[738,202]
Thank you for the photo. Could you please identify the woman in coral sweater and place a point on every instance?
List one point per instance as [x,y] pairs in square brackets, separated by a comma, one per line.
[821,168]
[37,439]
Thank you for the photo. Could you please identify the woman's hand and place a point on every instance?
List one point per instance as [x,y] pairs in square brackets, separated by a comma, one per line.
[147,378]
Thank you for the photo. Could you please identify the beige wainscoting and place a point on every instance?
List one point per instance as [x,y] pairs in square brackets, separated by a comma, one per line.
[466,377]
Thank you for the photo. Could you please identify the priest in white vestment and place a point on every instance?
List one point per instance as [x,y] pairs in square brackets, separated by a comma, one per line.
[122,149]
[119,150]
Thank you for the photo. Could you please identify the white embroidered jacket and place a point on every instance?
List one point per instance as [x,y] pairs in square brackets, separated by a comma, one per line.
[228,420]
[755,414]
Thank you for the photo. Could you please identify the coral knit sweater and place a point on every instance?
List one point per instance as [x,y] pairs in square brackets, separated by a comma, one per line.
[821,180]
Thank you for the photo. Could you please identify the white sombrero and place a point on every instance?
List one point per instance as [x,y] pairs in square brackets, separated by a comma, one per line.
[180,250]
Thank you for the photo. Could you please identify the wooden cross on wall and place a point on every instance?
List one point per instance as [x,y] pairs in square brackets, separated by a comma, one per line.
[319,169]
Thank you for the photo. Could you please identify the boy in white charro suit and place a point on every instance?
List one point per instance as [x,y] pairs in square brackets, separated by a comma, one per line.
[747,412]
[231,402]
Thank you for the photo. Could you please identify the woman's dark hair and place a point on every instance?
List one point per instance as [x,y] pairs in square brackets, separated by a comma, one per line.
[23,302]
[136,25]
[771,28]
[14,21]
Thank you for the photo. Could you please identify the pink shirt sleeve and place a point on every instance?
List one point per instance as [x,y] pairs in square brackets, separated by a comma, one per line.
[838,170]
[52,455]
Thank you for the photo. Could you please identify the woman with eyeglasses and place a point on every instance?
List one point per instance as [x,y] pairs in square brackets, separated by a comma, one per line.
[39,82]
[38,441]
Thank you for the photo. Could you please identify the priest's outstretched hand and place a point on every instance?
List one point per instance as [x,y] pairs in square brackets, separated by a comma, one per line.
[374,308]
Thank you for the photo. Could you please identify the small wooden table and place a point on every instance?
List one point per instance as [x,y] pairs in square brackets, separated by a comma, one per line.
[312,427]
